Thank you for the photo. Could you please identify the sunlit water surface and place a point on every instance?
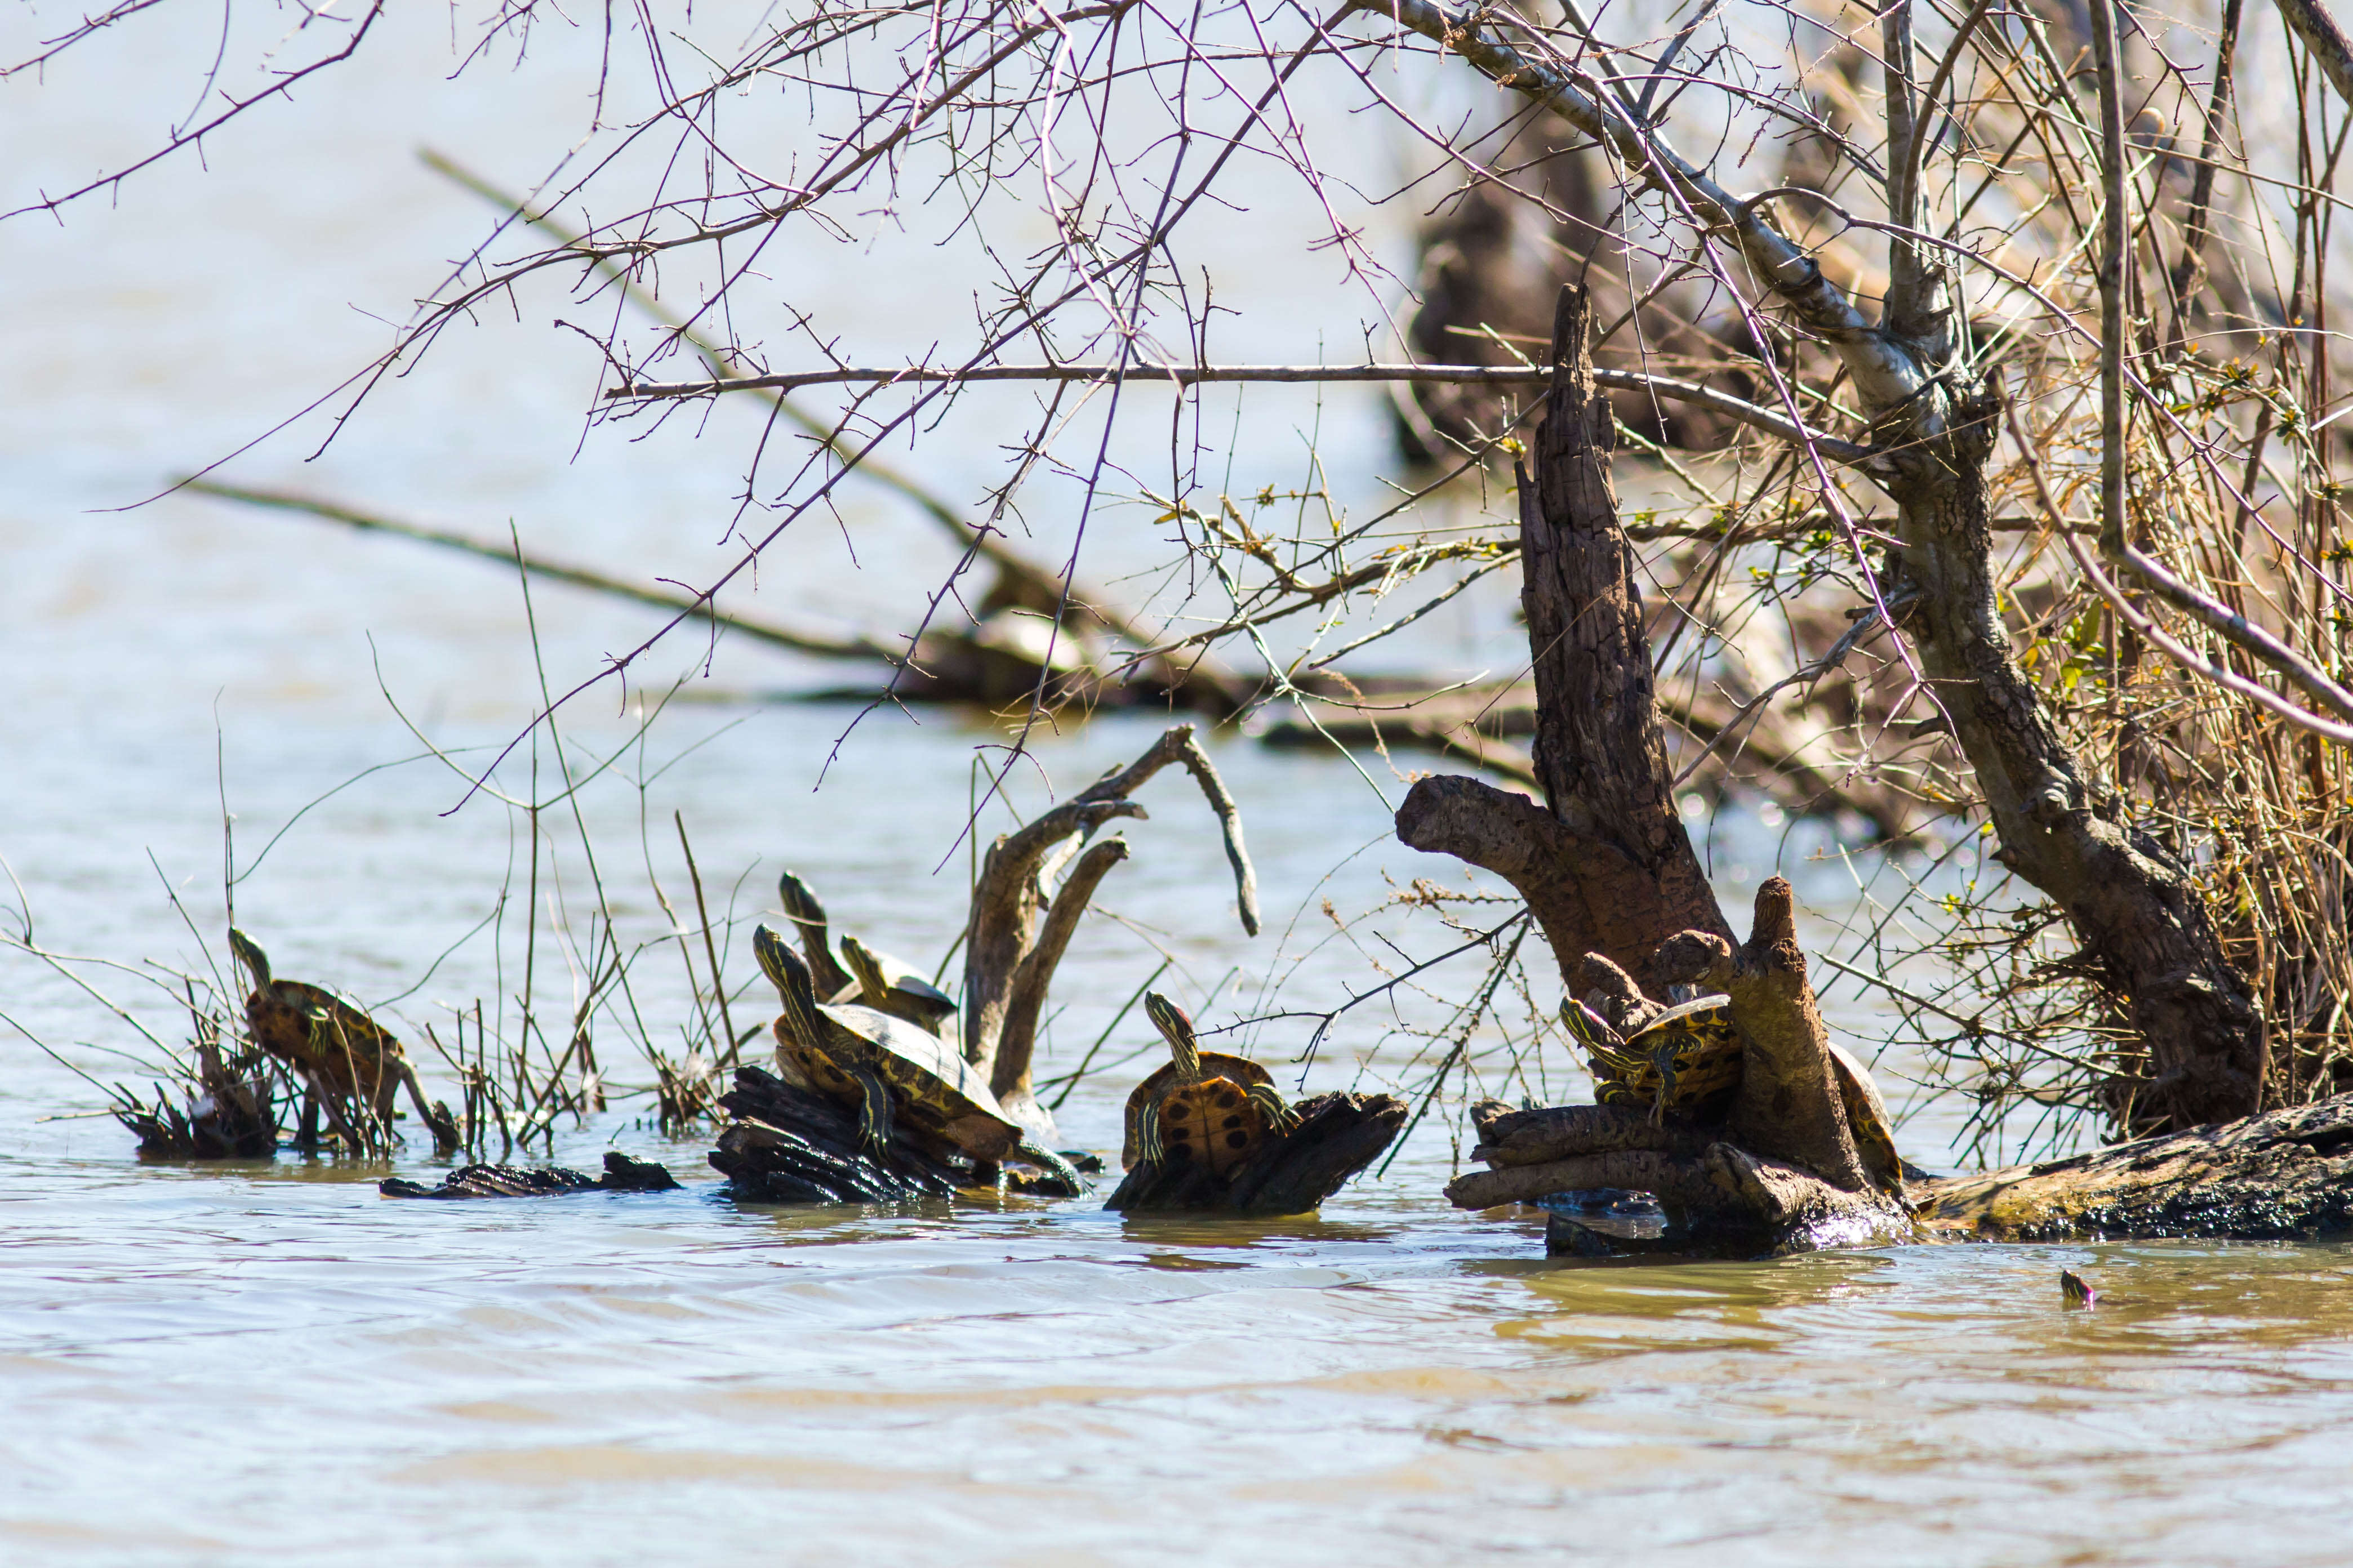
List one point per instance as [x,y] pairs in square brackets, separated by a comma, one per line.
[205,1365]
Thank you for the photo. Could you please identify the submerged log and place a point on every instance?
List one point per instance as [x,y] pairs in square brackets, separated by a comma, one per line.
[622,1174]
[1337,1136]
[2284,1175]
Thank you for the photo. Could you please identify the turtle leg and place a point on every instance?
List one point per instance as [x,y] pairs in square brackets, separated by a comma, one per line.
[1148,1135]
[306,1132]
[1666,1089]
[447,1139]
[1053,1164]
[1280,1117]
[873,1111]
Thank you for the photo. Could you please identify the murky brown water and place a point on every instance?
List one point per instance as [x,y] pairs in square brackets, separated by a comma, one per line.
[200,1366]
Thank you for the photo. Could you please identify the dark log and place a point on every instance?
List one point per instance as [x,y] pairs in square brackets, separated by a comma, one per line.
[1337,1136]
[786,1145]
[622,1174]
[1787,1106]
[1723,1202]
[2285,1175]
[231,1113]
[1508,1136]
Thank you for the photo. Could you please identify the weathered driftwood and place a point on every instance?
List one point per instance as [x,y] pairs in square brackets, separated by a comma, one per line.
[1605,864]
[786,1145]
[1009,960]
[1787,1106]
[2284,1175]
[622,1174]
[231,1114]
[1510,1139]
[1337,1135]
[1013,647]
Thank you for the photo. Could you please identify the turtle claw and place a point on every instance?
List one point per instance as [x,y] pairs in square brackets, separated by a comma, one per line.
[1281,1120]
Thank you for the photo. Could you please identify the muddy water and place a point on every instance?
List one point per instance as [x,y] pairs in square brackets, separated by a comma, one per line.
[200,1366]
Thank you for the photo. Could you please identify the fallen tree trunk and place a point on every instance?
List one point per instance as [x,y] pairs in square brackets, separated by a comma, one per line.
[2284,1176]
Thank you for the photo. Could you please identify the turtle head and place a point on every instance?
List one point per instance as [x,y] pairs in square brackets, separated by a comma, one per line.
[249,953]
[809,918]
[1177,1030]
[800,905]
[873,988]
[789,974]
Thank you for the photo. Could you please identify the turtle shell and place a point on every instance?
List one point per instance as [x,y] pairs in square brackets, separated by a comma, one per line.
[1687,1060]
[327,1036]
[1867,1118]
[1214,1123]
[911,996]
[935,1087]
[1237,1073]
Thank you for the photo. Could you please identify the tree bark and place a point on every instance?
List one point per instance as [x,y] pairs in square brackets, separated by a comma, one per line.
[2133,904]
[1607,867]
[2287,1175]
[1026,1000]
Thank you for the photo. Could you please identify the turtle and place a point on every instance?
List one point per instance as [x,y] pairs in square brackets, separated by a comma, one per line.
[906,994]
[890,1070]
[344,1057]
[1204,1106]
[1867,1118]
[1687,1059]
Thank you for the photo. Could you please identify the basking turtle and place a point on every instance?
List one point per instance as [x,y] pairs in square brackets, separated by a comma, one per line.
[1687,1059]
[1867,1118]
[903,991]
[889,1070]
[1205,1106]
[344,1057]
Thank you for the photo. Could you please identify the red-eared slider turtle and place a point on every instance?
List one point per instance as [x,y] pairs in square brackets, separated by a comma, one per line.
[1205,1106]
[344,1057]
[890,1070]
[1867,1118]
[1687,1059]
[904,993]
